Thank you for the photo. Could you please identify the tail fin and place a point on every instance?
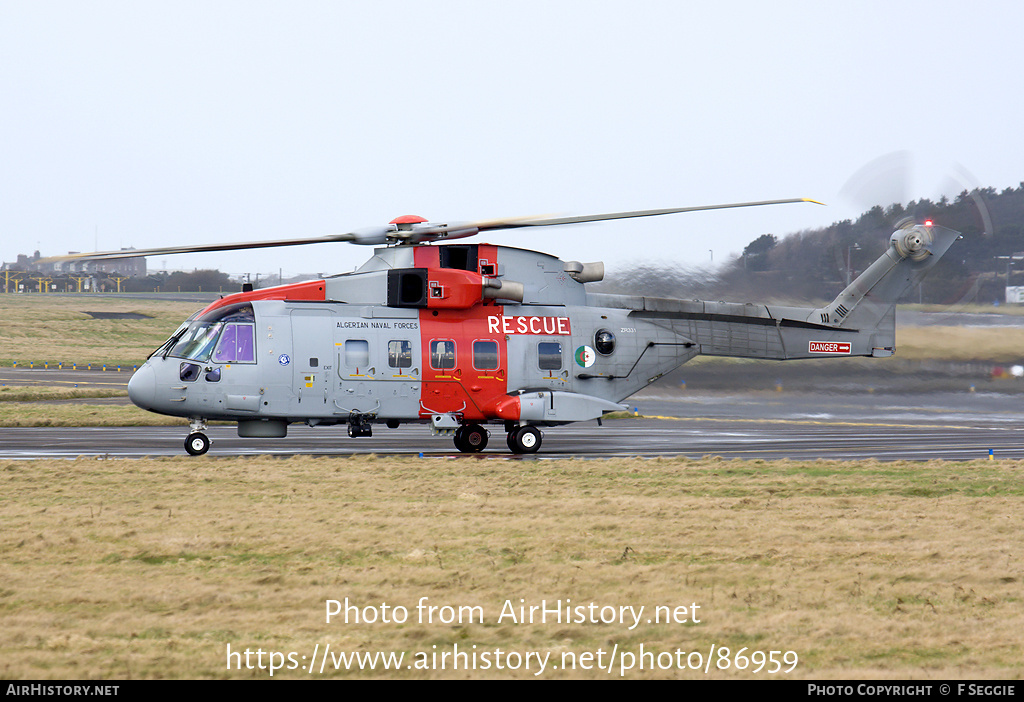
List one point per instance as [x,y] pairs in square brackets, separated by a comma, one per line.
[869,302]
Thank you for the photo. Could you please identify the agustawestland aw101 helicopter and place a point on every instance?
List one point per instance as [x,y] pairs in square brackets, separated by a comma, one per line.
[462,336]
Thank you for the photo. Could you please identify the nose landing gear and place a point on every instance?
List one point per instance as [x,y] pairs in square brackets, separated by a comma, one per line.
[197,442]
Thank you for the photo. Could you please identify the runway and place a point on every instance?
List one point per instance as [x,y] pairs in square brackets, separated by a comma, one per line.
[690,437]
[751,425]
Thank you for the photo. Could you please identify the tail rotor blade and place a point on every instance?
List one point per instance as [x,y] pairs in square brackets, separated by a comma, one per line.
[881,182]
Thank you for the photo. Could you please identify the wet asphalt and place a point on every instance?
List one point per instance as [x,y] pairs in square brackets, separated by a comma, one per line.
[841,424]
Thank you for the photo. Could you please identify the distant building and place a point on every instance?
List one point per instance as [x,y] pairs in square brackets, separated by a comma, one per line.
[134,267]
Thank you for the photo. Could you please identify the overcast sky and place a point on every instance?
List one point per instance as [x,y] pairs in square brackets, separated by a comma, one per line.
[157,123]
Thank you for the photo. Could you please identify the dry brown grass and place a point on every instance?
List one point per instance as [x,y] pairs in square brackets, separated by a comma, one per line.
[72,406]
[150,568]
[1004,344]
[57,393]
[55,329]
[81,414]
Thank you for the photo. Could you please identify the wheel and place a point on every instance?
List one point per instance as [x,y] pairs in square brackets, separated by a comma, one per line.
[357,430]
[471,438]
[475,438]
[197,443]
[460,440]
[525,439]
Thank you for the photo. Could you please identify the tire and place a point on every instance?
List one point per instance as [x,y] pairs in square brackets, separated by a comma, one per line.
[460,440]
[475,437]
[526,439]
[471,438]
[197,443]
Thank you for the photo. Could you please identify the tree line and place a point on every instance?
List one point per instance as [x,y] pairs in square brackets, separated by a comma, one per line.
[195,281]
[816,264]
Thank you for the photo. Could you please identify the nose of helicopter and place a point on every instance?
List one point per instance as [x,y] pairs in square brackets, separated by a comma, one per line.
[142,387]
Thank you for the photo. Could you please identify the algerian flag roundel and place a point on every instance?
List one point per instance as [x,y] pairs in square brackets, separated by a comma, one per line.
[585,356]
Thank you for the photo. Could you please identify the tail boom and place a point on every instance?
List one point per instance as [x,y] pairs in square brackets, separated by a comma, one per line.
[861,321]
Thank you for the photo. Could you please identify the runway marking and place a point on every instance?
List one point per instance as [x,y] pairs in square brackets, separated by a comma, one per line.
[50,381]
[805,422]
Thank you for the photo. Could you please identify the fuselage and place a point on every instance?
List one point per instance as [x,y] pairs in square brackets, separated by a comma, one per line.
[417,333]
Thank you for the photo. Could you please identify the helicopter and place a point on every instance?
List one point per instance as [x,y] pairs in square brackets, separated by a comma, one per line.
[462,336]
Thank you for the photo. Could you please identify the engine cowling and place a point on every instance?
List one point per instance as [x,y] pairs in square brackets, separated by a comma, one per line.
[447,288]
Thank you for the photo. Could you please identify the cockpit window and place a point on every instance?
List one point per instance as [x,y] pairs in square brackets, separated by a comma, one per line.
[230,330]
[236,344]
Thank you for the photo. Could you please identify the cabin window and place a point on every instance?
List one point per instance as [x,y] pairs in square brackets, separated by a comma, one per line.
[549,355]
[357,353]
[400,354]
[485,355]
[604,340]
[442,354]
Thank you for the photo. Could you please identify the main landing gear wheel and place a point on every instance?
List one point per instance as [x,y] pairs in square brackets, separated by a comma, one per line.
[524,439]
[471,438]
[197,443]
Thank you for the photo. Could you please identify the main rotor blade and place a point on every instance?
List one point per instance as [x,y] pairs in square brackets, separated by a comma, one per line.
[429,231]
[516,223]
[200,248]
[391,233]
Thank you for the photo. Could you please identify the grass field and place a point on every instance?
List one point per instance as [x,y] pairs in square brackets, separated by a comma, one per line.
[19,409]
[58,329]
[153,568]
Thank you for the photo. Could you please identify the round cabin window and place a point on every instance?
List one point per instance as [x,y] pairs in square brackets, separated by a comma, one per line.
[604,341]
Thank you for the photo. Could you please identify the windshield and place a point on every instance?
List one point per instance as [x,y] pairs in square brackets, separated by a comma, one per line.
[198,339]
[165,347]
